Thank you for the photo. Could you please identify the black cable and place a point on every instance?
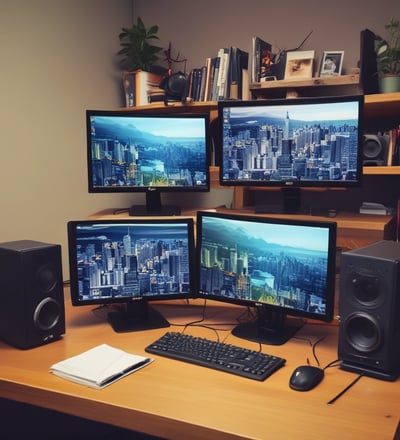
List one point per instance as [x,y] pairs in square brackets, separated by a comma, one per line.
[346,389]
[313,348]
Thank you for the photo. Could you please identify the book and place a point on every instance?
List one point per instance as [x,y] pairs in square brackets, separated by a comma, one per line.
[222,80]
[395,155]
[238,63]
[374,208]
[262,59]
[195,83]
[214,90]
[203,79]
[208,79]
[128,81]
[212,79]
[100,366]
[145,81]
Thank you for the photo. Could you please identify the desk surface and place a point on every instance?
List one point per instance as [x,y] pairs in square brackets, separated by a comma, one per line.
[173,399]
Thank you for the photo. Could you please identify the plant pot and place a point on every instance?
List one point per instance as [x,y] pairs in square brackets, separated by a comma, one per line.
[389,84]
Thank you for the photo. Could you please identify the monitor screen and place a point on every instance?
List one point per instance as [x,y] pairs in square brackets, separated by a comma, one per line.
[131,262]
[148,153]
[277,267]
[292,144]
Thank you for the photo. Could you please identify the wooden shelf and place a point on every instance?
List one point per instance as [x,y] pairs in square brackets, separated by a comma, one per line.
[198,106]
[382,105]
[381,171]
[336,85]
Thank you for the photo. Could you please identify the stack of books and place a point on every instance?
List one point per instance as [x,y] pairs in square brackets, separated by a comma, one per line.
[142,88]
[224,76]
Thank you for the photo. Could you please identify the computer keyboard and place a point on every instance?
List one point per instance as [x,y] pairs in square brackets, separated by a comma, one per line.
[216,355]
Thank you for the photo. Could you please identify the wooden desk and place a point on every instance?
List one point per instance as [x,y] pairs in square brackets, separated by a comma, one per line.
[177,400]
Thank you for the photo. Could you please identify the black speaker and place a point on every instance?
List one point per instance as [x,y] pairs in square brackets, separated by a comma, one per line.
[375,149]
[31,293]
[369,309]
[176,86]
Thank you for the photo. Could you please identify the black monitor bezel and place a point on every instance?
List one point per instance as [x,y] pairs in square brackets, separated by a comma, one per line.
[72,241]
[264,307]
[146,114]
[291,183]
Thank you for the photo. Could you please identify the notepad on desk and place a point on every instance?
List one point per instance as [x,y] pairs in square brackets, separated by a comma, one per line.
[100,366]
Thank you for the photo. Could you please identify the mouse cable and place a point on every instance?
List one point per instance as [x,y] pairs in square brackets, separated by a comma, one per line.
[313,347]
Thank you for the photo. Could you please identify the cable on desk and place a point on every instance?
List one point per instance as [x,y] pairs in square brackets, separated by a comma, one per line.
[346,389]
[312,345]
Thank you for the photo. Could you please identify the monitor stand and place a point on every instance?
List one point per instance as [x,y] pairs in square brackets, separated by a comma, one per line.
[137,315]
[291,203]
[153,206]
[270,327]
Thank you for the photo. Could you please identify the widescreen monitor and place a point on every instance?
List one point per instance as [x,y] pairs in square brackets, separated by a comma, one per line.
[130,263]
[149,153]
[282,269]
[292,144]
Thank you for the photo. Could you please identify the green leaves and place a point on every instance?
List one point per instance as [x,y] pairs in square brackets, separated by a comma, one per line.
[388,50]
[137,49]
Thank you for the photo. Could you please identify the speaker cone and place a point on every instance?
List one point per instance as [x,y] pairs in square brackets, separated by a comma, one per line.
[363,332]
[365,287]
[47,314]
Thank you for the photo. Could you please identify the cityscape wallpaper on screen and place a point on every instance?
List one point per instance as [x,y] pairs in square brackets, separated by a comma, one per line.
[132,260]
[137,152]
[283,265]
[305,142]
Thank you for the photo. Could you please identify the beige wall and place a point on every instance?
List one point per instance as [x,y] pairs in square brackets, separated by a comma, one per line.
[58,59]
[198,29]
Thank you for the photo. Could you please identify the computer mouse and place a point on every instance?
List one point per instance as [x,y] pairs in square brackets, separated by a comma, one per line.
[306,377]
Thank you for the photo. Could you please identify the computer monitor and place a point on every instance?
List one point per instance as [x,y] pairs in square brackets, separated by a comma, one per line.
[277,267]
[139,152]
[292,144]
[131,262]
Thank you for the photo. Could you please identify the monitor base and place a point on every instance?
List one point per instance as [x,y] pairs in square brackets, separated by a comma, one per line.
[123,322]
[142,210]
[256,332]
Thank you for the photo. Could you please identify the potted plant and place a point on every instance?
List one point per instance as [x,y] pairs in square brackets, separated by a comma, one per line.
[388,57]
[137,48]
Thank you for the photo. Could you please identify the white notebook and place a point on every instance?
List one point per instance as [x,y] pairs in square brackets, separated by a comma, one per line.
[100,366]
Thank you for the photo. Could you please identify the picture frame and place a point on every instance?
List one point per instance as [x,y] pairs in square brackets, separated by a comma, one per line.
[299,64]
[332,62]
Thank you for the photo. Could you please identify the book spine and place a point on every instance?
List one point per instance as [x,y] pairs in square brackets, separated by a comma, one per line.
[222,92]
[214,93]
[208,79]
[212,79]
[128,80]
[203,78]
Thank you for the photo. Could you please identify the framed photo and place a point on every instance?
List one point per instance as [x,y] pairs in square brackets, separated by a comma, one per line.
[332,62]
[299,64]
